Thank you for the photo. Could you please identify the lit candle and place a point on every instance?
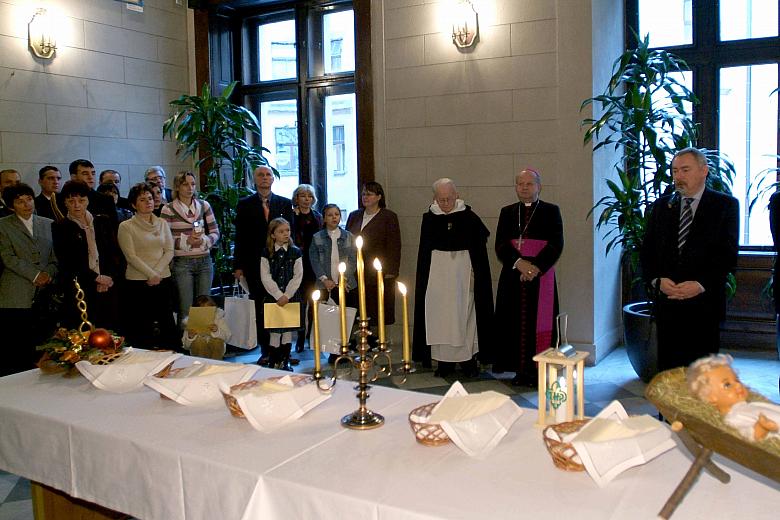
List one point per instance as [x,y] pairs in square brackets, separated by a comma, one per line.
[343,302]
[380,294]
[407,350]
[315,298]
[361,278]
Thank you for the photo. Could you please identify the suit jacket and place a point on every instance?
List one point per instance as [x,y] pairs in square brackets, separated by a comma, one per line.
[43,206]
[381,239]
[70,246]
[252,230]
[23,257]
[710,251]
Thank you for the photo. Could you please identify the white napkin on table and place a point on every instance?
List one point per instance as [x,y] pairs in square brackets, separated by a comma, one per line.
[612,442]
[198,384]
[127,372]
[273,404]
[476,423]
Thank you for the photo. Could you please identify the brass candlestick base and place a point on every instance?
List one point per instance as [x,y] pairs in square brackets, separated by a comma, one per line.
[372,364]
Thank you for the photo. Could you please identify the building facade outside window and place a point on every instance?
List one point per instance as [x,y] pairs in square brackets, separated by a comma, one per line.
[298,76]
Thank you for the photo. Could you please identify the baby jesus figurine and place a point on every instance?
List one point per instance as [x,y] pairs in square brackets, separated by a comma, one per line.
[712,380]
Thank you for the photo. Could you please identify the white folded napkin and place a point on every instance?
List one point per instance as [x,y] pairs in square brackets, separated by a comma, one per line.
[476,423]
[128,371]
[272,404]
[612,442]
[199,384]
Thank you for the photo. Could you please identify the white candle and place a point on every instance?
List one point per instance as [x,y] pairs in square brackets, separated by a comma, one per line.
[315,298]
[560,412]
[361,278]
[407,353]
[380,294]
[343,302]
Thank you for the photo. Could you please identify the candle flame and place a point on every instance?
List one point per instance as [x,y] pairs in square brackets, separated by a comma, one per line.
[377,264]
[342,267]
[359,242]
[402,288]
[315,296]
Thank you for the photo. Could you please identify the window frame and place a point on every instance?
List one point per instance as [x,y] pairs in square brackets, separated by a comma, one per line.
[705,57]
[234,17]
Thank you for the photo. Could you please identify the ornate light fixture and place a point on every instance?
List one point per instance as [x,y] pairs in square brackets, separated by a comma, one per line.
[465,25]
[41,35]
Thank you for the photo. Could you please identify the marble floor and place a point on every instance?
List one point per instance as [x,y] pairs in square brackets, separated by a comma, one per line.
[611,379]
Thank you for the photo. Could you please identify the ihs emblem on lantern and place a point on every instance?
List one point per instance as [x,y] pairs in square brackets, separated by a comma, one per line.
[561,376]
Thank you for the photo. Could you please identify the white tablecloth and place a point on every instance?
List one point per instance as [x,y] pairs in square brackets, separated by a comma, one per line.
[155,459]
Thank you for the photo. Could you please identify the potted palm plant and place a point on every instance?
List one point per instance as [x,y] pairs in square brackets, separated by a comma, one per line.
[217,133]
[644,116]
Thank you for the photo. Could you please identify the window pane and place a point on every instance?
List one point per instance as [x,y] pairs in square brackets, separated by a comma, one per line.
[279,124]
[338,43]
[743,19]
[276,45]
[748,135]
[667,21]
[341,151]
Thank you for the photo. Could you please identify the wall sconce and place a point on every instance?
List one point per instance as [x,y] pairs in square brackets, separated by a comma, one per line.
[465,25]
[41,35]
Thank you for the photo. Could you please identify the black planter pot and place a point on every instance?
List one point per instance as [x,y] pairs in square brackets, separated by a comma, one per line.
[641,339]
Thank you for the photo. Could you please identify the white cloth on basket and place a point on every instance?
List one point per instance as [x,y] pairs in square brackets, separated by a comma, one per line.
[273,404]
[476,423]
[128,372]
[199,384]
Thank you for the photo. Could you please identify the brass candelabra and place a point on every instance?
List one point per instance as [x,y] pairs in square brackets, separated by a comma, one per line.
[371,364]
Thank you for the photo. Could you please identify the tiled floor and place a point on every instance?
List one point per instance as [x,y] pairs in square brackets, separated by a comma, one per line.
[613,378]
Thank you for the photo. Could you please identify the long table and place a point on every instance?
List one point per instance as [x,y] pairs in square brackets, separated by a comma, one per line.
[155,459]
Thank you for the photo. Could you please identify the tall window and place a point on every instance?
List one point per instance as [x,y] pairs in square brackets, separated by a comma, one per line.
[298,68]
[733,50]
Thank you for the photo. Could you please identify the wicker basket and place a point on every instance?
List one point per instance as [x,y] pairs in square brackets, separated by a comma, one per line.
[428,434]
[563,453]
[232,403]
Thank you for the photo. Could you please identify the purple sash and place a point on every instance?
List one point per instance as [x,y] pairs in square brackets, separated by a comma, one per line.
[530,247]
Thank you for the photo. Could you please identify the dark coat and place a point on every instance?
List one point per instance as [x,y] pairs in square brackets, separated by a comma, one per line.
[70,246]
[516,301]
[458,231]
[43,206]
[381,239]
[101,204]
[689,329]
[251,233]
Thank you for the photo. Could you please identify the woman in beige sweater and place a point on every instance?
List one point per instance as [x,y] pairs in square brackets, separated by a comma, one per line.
[147,244]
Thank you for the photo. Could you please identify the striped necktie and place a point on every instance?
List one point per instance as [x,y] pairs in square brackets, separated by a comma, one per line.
[686,219]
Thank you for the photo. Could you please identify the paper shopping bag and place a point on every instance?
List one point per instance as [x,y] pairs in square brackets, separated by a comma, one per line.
[330,327]
[287,317]
[240,318]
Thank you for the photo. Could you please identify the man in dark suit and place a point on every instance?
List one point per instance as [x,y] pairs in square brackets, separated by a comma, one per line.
[9,177]
[99,204]
[48,203]
[157,174]
[690,247]
[253,213]
[115,178]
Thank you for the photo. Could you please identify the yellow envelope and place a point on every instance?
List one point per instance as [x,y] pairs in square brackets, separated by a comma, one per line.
[201,319]
[287,317]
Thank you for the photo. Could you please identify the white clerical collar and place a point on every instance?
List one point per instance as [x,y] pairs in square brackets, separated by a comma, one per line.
[459,206]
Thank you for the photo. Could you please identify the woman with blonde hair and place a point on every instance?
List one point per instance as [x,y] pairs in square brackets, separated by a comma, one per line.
[195,232]
[306,222]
